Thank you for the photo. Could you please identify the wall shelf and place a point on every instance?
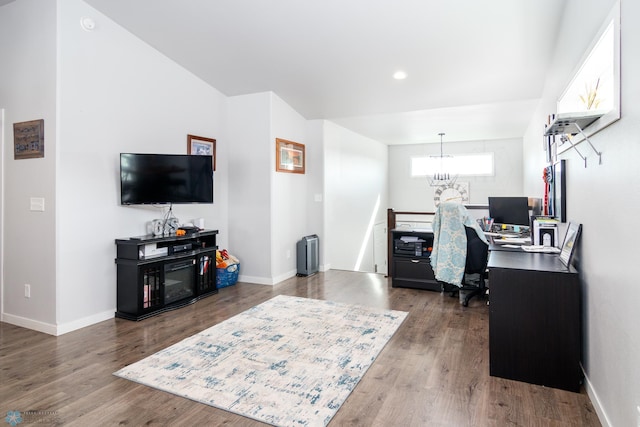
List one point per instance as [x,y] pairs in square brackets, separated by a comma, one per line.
[569,124]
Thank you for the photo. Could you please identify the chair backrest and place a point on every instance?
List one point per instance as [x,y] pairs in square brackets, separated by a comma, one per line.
[450,242]
[477,252]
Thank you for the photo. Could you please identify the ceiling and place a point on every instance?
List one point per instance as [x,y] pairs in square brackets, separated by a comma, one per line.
[475,68]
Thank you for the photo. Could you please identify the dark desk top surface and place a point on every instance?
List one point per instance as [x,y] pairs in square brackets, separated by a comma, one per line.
[528,261]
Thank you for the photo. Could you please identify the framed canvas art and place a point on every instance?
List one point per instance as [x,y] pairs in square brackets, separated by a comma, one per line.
[290,156]
[201,146]
[28,139]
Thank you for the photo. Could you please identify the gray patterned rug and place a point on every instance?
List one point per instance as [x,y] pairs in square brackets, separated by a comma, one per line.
[289,361]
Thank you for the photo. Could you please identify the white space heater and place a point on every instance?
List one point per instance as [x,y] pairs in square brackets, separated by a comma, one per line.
[307,254]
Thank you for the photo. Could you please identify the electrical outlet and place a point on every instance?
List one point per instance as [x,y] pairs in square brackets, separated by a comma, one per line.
[288,253]
[638,420]
[27,291]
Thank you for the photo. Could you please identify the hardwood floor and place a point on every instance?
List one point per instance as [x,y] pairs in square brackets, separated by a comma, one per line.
[433,372]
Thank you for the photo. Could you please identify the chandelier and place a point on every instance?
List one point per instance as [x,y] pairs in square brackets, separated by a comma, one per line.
[441,177]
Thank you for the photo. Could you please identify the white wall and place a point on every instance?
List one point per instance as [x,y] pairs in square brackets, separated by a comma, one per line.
[315,198]
[290,196]
[249,124]
[356,197]
[606,200]
[28,92]
[114,94]
[116,100]
[408,193]
[270,211]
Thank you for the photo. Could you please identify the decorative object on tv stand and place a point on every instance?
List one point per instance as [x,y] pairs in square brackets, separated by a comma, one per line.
[290,156]
[163,227]
[441,176]
[201,146]
[198,222]
[28,139]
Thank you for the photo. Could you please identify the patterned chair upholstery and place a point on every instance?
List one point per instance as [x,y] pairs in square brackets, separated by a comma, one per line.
[460,252]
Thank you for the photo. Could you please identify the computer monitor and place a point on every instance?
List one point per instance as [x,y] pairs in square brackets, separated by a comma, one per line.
[509,210]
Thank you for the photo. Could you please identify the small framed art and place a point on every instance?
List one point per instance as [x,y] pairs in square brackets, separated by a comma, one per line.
[570,243]
[290,156]
[201,146]
[28,139]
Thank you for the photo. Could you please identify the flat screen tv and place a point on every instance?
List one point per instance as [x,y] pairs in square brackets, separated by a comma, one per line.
[509,210]
[165,179]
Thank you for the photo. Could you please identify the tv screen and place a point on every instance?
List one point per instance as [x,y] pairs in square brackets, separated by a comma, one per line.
[165,178]
[509,210]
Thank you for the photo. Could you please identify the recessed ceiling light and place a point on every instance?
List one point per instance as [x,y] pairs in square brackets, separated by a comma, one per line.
[399,75]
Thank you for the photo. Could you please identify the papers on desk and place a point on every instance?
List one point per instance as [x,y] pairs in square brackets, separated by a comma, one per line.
[512,241]
[503,235]
[409,239]
[540,248]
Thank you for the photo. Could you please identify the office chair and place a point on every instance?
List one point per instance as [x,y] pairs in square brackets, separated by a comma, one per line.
[460,252]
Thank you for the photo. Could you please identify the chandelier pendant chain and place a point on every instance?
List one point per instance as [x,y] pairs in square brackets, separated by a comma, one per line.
[441,177]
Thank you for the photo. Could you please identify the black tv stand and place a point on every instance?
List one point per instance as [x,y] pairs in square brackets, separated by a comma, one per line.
[161,273]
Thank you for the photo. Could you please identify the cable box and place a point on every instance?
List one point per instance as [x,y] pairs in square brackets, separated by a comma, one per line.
[150,250]
[180,248]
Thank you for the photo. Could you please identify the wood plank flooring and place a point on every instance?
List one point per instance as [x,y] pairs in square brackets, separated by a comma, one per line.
[433,372]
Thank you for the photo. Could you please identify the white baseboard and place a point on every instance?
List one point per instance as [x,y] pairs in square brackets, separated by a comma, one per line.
[595,401]
[285,276]
[274,280]
[85,321]
[255,280]
[57,330]
[35,325]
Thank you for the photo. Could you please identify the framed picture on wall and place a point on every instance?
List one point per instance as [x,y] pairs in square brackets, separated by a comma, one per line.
[28,139]
[201,146]
[290,156]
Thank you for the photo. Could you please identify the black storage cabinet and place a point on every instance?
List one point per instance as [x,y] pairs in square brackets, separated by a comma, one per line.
[143,278]
[410,264]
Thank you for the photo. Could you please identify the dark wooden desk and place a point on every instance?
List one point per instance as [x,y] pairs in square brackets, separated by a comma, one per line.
[534,319]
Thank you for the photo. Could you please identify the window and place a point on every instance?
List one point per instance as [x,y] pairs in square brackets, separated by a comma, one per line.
[480,164]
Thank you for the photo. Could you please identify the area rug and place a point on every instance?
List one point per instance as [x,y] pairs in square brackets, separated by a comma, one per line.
[289,361]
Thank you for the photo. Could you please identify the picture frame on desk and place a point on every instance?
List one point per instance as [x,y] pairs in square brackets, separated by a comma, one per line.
[570,242]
